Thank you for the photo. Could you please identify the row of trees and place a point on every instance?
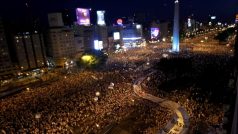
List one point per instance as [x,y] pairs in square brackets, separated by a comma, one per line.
[224,36]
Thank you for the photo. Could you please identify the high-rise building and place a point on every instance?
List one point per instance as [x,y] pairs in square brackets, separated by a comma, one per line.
[60,41]
[30,50]
[102,35]
[164,30]
[78,38]
[175,46]
[61,45]
[87,35]
[126,36]
[5,61]
[79,44]
[131,32]
[55,20]
[191,26]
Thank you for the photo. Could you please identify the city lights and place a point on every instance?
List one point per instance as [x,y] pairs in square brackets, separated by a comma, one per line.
[138,26]
[116,36]
[119,21]
[213,17]
[120,66]
[175,46]
[154,33]
[189,22]
[83,16]
[100,18]
[87,58]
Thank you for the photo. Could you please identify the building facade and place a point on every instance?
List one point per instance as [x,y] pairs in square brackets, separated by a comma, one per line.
[102,35]
[61,45]
[30,50]
[5,61]
[55,20]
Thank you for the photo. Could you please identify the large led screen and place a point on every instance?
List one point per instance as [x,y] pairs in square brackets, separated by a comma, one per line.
[100,18]
[83,16]
[116,36]
[154,33]
[189,22]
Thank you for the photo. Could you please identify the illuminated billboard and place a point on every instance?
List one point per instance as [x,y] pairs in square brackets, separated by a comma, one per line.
[189,22]
[154,33]
[100,18]
[83,16]
[138,26]
[98,45]
[119,21]
[213,17]
[116,36]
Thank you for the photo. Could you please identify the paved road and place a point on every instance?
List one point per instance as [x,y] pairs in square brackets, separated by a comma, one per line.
[180,121]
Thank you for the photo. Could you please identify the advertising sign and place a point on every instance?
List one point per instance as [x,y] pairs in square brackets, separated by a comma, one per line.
[83,16]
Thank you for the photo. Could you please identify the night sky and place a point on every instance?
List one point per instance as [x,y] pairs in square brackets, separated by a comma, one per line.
[225,10]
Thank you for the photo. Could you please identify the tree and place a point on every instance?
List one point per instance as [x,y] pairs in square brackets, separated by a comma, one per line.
[92,59]
[223,36]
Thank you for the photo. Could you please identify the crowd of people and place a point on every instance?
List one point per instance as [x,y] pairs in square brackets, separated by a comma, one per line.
[90,101]
[71,104]
[206,116]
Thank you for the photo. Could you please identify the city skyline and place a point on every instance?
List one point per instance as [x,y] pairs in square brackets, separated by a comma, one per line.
[115,67]
[162,10]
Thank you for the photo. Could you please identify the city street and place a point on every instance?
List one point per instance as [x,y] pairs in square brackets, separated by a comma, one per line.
[90,101]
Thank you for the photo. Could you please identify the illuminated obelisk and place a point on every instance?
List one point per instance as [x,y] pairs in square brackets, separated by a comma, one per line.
[175,47]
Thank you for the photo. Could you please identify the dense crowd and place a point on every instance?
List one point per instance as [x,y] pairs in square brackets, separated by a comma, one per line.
[206,116]
[71,103]
[90,101]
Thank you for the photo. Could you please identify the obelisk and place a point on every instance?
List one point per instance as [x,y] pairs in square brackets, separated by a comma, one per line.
[175,47]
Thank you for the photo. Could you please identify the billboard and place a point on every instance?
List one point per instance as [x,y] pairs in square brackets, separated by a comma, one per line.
[189,22]
[116,36]
[98,45]
[120,22]
[101,18]
[83,16]
[213,17]
[154,33]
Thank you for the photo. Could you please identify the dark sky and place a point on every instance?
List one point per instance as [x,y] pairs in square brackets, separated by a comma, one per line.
[161,9]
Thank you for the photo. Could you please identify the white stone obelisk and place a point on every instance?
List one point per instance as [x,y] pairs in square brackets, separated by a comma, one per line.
[175,47]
